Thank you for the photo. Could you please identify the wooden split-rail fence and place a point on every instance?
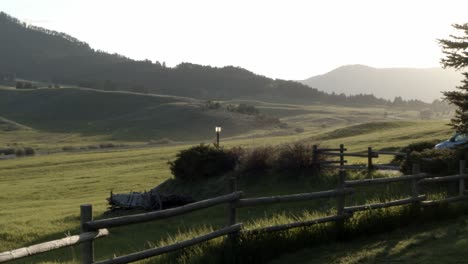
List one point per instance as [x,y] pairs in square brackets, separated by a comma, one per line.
[94,229]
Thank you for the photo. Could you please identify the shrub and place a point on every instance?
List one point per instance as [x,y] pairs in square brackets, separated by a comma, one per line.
[294,157]
[69,148]
[417,146]
[7,151]
[443,161]
[299,129]
[284,160]
[258,160]
[202,161]
[107,145]
[28,151]
[20,152]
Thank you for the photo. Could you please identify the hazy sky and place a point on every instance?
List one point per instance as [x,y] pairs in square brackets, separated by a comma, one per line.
[280,39]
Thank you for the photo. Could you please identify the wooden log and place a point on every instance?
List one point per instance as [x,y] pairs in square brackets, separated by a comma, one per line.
[370,166]
[332,161]
[390,153]
[362,155]
[342,157]
[416,169]
[444,178]
[340,203]
[386,167]
[446,200]
[348,167]
[52,245]
[283,227]
[250,202]
[315,161]
[384,180]
[165,249]
[87,248]
[330,149]
[231,211]
[145,217]
[384,205]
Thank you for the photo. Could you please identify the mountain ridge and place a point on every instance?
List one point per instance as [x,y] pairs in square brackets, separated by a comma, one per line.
[424,84]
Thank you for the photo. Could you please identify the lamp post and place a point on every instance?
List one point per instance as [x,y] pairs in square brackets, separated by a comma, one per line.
[218,130]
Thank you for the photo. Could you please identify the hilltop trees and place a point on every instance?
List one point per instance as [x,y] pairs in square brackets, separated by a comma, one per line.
[456,51]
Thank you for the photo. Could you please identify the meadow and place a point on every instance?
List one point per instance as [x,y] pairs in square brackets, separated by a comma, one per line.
[41,195]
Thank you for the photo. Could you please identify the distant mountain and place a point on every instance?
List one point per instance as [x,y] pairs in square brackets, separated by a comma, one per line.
[34,53]
[388,83]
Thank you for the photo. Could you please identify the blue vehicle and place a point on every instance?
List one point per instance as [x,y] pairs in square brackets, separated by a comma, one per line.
[458,140]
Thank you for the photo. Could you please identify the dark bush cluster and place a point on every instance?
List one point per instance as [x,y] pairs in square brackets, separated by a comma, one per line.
[285,159]
[92,147]
[26,151]
[203,161]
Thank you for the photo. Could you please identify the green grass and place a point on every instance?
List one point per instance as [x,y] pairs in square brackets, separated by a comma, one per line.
[41,195]
[440,242]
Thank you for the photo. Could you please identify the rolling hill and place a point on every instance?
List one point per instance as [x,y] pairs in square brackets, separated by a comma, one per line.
[408,83]
[121,115]
[34,53]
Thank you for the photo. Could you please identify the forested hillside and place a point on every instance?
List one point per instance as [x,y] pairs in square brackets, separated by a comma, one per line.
[35,53]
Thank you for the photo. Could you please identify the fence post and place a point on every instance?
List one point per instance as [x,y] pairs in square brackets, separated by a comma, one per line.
[231,220]
[369,161]
[340,202]
[414,182]
[461,183]
[408,161]
[87,248]
[341,156]
[315,161]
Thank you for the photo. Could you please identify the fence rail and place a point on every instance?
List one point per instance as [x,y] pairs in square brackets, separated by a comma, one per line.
[52,245]
[93,229]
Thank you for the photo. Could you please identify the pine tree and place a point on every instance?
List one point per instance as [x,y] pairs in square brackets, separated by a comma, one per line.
[456,51]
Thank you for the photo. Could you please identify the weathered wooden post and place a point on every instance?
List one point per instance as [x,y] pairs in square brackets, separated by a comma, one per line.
[414,182]
[341,156]
[315,161]
[461,183]
[340,202]
[231,208]
[87,248]
[231,220]
[408,162]
[369,161]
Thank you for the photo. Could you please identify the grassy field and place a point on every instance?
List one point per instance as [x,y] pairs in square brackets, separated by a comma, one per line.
[440,242]
[41,195]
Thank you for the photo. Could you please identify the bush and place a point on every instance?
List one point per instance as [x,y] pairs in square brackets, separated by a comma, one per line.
[284,160]
[69,148]
[258,160]
[28,151]
[443,161]
[7,151]
[413,147]
[20,152]
[202,161]
[299,129]
[295,157]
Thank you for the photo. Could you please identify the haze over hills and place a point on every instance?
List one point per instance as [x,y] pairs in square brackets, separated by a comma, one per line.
[409,83]
[40,54]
